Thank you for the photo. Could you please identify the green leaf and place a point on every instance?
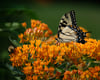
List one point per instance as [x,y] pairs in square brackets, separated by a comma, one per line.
[72,67]
[14,41]
[7,24]
[15,25]
[15,71]
[63,65]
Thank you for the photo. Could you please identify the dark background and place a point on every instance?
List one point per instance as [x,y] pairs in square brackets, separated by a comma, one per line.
[49,12]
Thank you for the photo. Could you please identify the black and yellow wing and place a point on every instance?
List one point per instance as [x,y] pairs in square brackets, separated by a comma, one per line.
[68,29]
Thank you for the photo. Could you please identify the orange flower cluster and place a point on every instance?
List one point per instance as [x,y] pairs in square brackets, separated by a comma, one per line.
[20,56]
[38,30]
[91,74]
[41,58]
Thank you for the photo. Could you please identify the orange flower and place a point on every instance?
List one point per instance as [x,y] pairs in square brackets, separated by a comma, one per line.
[44,26]
[39,32]
[87,75]
[24,24]
[20,36]
[95,75]
[59,59]
[58,74]
[46,34]
[49,31]
[80,72]
[27,69]
[67,72]
[67,75]
[46,68]
[33,23]
[36,71]
[35,77]
[25,48]
[40,67]
[74,71]
[51,55]
[97,68]
[28,77]
[38,22]
[28,32]
[36,63]
[51,69]
[38,42]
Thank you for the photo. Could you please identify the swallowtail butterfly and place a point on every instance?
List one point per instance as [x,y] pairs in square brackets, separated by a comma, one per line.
[69,31]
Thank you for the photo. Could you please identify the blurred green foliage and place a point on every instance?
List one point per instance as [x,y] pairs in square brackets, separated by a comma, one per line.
[12,14]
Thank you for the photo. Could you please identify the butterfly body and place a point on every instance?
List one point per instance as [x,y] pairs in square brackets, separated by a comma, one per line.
[68,30]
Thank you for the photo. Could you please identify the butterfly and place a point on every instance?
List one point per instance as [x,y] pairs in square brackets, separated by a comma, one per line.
[69,31]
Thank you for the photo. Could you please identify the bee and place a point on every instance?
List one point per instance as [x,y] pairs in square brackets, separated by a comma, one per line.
[11,49]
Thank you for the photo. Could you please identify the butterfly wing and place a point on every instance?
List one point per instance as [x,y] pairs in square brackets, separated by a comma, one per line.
[66,26]
[67,35]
